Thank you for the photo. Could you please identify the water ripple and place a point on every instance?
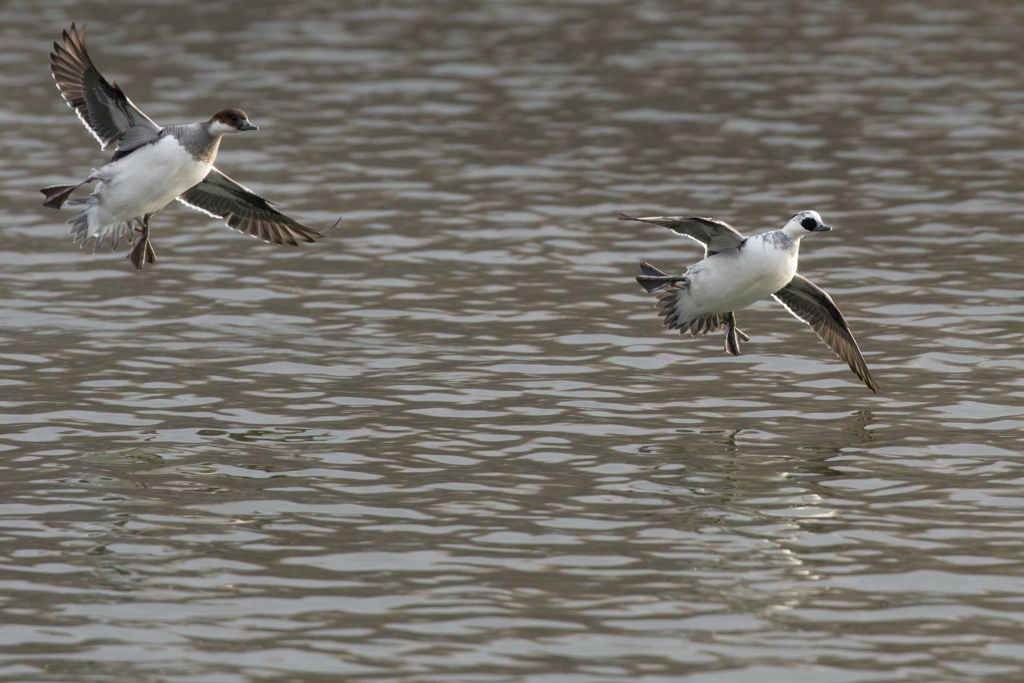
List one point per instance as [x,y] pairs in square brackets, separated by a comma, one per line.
[452,441]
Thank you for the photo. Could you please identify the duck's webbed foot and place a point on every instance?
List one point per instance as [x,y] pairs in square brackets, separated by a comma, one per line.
[733,335]
[142,252]
[57,195]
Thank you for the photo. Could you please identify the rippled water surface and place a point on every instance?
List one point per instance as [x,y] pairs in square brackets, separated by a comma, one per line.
[451,442]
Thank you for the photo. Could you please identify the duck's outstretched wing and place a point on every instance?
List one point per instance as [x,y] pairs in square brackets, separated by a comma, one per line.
[245,211]
[108,114]
[814,306]
[716,236]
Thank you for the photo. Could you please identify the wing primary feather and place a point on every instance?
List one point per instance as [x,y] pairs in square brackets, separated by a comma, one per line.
[716,236]
[107,112]
[245,211]
[828,323]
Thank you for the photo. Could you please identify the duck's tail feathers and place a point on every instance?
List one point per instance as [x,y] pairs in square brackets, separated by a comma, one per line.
[86,225]
[653,279]
[672,307]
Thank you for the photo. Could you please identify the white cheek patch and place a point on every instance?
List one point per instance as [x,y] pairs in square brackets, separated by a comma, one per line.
[218,128]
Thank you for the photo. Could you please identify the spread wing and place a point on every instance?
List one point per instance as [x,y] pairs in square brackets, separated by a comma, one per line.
[810,303]
[715,235]
[245,211]
[108,114]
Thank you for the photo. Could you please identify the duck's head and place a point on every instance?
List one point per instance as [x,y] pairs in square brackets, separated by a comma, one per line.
[229,121]
[803,223]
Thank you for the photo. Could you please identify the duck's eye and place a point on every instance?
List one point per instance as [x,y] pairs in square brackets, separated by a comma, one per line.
[809,223]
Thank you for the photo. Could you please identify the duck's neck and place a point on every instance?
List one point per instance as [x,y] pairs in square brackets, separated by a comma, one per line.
[198,141]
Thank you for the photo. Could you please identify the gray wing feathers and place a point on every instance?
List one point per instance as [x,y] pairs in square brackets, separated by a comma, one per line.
[245,211]
[716,236]
[814,306]
[103,108]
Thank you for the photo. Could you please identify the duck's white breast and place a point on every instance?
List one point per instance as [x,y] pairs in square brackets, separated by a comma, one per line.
[149,178]
[732,281]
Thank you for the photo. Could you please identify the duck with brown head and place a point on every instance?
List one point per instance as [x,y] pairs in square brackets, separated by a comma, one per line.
[230,121]
[152,166]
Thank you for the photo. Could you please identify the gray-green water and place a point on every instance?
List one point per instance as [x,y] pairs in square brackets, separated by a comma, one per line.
[451,442]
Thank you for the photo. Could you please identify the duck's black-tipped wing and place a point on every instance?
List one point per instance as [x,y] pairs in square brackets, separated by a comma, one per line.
[716,236]
[245,211]
[108,114]
[811,304]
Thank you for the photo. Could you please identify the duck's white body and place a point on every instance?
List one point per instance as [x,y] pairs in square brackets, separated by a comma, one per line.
[140,184]
[735,279]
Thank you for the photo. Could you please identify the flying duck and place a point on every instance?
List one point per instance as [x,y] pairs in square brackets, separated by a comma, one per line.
[737,271]
[152,166]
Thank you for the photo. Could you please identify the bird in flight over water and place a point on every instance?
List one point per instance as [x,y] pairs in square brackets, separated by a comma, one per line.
[152,166]
[737,271]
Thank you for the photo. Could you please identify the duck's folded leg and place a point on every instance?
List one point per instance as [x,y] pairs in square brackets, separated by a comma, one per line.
[653,279]
[56,195]
[733,335]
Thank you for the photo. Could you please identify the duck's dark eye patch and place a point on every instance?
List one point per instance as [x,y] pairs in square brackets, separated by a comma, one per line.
[809,223]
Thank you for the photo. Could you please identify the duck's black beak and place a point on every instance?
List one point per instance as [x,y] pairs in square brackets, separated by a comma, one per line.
[821,227]
[247,126]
